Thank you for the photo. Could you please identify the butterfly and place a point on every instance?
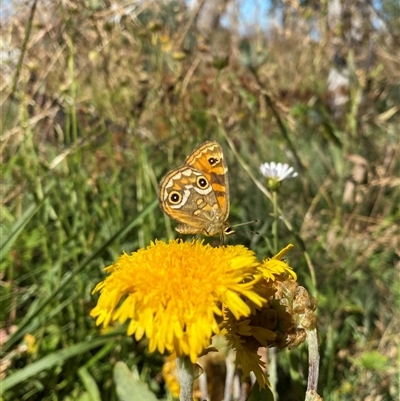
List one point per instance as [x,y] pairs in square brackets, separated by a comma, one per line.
[197,193]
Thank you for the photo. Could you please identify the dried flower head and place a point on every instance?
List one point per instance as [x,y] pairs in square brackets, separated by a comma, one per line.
[281,322]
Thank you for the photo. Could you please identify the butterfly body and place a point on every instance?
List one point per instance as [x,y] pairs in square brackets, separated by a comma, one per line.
[197,193]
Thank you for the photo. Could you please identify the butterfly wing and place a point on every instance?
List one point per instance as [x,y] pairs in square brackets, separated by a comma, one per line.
[186,195]
[197,193]
[209,159]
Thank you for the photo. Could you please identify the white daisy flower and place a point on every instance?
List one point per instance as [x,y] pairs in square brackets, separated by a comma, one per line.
[277,171]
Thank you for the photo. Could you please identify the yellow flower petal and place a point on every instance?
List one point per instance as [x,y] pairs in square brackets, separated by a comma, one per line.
[270,268]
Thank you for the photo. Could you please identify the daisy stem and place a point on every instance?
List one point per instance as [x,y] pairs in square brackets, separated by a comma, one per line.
[275,222]
[272,355]
[186,378]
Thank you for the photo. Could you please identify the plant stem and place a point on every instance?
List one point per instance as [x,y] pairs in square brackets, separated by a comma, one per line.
[21,56]
[186,378]
[273,370]
[275,222]
[313,360]
[272,356]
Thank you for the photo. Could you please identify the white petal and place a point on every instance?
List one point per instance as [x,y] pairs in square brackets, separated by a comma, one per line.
[278,171]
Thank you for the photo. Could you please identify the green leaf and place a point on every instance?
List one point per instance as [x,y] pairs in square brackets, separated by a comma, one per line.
[129,388]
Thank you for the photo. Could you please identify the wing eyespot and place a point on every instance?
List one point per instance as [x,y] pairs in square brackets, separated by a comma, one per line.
[213,161]
[174,197]
[202,182]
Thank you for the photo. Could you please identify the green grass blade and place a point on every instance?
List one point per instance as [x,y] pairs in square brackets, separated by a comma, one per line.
[17,228]
[56,358]
[90,384]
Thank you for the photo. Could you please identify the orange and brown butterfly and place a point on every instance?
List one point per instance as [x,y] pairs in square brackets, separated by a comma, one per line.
[197,193]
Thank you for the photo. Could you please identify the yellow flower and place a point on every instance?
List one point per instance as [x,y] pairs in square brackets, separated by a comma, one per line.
[174,293]
[29,345]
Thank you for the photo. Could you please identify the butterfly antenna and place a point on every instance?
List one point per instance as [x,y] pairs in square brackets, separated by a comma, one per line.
[244,224]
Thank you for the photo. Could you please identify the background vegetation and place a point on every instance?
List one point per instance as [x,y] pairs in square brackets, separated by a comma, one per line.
[99,99]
